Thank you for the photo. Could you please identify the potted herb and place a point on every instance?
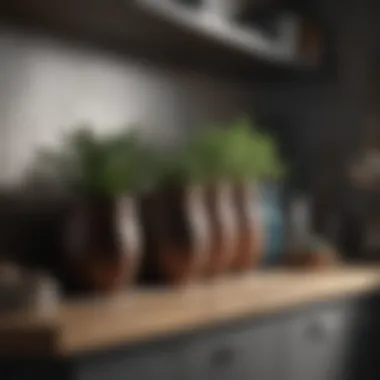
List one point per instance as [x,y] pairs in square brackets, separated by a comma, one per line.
[235,157]
[270,174]
[101,238]
[207,156]
[175,222]
[253,160]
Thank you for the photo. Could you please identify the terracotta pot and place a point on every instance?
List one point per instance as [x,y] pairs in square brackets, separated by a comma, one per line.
[177,236]
[249,247]
[223,226]
[102,243]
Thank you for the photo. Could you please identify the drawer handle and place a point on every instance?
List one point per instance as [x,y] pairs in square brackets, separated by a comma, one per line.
[222,357]
[316,331]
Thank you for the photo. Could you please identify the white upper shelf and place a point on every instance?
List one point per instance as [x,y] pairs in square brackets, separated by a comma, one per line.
[252,41]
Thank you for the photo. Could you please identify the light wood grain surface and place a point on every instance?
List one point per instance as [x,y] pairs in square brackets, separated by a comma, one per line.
[146,314]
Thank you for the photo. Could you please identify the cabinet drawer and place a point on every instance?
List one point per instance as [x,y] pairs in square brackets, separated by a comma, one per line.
[150,365]
[319,343]
[245,354]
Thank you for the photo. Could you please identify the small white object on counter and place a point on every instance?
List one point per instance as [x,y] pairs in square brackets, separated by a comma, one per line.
[27,290]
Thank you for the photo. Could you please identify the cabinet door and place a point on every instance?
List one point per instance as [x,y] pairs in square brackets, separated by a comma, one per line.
[145,365]
[248,353]
[319,344]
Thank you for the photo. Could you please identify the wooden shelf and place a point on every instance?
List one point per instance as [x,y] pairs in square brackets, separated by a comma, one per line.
[165,33]
[149,314]
[251,41]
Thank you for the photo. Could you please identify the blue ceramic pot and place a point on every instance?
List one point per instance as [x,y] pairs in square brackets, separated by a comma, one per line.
[273,226]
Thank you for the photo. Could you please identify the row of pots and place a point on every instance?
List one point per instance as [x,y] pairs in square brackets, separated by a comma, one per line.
[175,235]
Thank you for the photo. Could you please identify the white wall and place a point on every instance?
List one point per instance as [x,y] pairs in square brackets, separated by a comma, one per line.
[49,86]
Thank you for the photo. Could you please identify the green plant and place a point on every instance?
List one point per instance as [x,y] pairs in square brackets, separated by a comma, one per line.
[91,164]
[202,160]
[236,150]
[266,161]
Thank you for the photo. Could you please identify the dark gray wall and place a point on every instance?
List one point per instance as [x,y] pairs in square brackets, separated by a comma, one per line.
[321,122]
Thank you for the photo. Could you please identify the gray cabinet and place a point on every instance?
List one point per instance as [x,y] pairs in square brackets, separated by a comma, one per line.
[319,344]
[305,344]
[247,353]
[244,352]
[150,364]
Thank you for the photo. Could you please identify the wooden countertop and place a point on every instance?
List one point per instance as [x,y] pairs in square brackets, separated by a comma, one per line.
[144,314]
